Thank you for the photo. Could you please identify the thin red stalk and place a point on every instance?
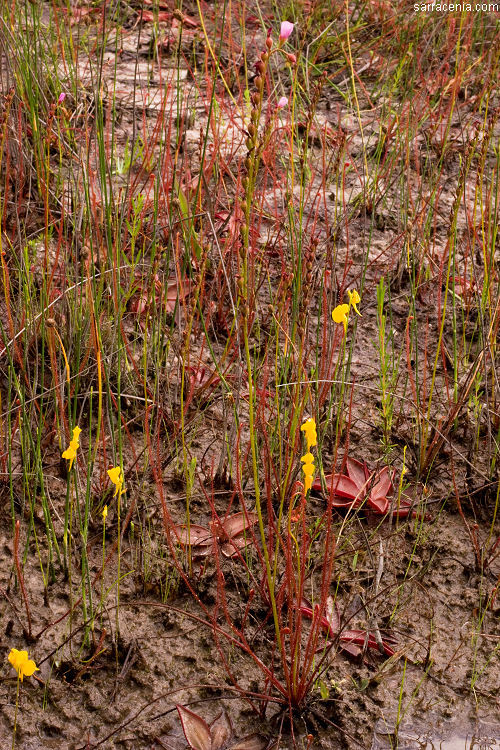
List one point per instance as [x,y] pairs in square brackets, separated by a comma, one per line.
[20,578]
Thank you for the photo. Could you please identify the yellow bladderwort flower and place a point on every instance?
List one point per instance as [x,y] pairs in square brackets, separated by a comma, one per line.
[70,453]
[308,469]
[309,429]
[105,513]
[116,477]
[354,299]
[24,666]
[339,315]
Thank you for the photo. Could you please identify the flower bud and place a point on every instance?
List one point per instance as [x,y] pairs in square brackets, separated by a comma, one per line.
[269,42]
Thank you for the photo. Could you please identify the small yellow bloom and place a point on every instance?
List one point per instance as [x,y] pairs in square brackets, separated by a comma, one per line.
[105,513]
[339,315]
[308,469]
[354,299]
[70,453]
[116,477]
[309,428]
[24,667]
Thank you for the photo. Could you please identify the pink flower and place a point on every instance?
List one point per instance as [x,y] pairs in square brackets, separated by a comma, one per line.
[283,102]
[62,97]
[286,30]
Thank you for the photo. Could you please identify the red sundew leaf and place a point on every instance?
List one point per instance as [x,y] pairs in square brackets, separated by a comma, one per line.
[358,472]
[221,730]
[251,742]
[196,730]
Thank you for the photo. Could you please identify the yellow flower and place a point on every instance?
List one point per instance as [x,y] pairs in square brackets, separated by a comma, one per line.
[339,315]
[309,428]
[70,453]
[354,299]
[308,469]
[105,513]
[116,477]
[24,667]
